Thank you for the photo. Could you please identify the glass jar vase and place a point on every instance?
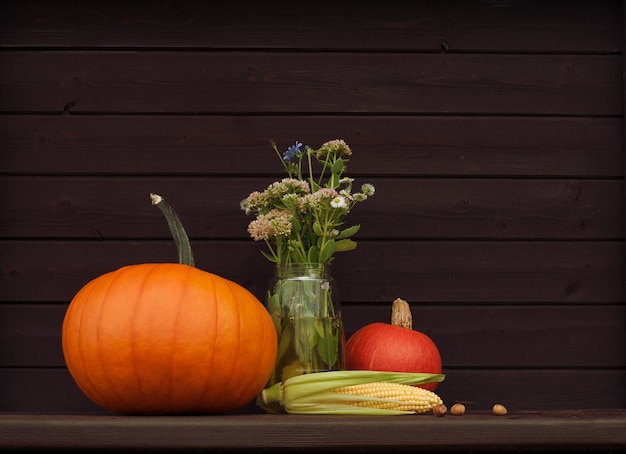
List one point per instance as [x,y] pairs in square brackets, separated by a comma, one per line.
[303,303]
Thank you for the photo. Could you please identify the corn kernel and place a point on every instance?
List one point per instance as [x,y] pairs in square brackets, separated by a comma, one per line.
[394,396]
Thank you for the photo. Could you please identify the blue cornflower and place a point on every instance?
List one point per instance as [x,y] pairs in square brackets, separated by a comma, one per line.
[292,151]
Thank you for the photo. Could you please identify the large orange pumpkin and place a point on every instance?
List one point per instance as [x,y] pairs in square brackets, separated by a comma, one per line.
[168,338]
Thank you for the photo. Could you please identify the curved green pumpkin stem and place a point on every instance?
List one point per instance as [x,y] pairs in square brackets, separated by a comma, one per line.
[185,255]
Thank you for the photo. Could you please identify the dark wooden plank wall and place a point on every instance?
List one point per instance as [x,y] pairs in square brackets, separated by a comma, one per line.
[492,130]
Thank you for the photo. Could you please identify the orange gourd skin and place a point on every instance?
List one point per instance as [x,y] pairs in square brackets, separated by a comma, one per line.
[168,338]
[391,348]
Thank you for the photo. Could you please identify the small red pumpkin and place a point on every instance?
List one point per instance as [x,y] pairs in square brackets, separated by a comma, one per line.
[394,347]
[168,338]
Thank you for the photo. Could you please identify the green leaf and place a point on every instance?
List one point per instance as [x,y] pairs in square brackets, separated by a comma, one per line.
[338,167]
[313,256]
[296,226]
[296,254]
[345,245]
[327,251]
[285,341]
[306,338]
[347,233]
[269,257]
[328,342]
[317,228]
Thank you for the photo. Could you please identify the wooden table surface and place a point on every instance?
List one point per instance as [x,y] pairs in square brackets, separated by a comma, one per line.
[564,431]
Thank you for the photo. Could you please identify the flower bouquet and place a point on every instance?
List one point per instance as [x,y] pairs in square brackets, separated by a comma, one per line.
[301,219]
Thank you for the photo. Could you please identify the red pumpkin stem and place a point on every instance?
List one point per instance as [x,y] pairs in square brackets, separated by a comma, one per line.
[185,254]
[401,314]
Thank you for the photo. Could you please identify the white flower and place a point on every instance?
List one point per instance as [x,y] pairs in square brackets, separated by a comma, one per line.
[339,202]
[368,189]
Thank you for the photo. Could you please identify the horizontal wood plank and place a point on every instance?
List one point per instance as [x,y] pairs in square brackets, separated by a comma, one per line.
[573,431]
[402,208]
[555,26]
[478,336]
[382,145]
[53,390]
[316,82]
[501,272]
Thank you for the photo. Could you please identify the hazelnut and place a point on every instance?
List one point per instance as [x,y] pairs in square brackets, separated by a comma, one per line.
[440,410]
[499,410]
[457,409]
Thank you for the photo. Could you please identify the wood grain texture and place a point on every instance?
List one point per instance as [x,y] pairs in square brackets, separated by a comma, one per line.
[52,390]
[414,145]
[313,82]
[482,336]
[107,208]
[452,26]
[572,430]
[471,272]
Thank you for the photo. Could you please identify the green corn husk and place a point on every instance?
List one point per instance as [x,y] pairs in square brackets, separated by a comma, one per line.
[311,394]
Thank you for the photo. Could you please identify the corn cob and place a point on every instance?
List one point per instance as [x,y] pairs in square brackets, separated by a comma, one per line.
[341,392]
[391,396]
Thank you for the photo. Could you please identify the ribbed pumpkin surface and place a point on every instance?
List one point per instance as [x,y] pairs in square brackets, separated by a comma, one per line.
[168,339]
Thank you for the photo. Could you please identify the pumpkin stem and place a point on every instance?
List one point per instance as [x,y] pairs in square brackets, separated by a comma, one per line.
[185,255]
[401,314]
